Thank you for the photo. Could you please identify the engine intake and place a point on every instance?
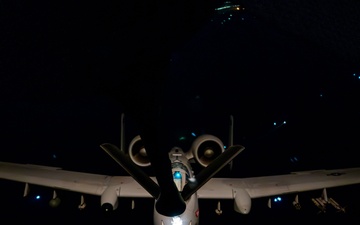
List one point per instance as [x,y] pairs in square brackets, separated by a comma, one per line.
[206,148]
[138,153]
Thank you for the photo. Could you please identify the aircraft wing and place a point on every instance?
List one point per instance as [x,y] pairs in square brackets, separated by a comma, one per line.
[257,187]
[86,183]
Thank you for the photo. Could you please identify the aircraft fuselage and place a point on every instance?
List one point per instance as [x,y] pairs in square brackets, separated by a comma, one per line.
[182,173]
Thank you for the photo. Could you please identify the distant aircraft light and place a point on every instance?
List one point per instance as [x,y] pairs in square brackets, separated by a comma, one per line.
[37,197]
[294,159]
[284,122]
[193,134]
[274,123]
[182,138]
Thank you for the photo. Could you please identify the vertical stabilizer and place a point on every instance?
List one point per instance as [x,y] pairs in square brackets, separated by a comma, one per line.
[231,131]
[122,133]
[231,137]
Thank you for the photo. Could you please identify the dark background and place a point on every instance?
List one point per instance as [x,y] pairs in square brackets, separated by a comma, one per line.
[64,65]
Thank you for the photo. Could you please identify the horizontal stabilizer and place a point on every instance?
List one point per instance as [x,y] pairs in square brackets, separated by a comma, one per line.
[208,172]
[140,176]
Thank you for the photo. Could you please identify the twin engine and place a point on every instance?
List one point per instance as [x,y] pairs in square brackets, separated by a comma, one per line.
[204,149]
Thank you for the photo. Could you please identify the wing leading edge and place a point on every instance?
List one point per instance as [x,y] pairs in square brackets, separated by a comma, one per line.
[257,187]
[94,184]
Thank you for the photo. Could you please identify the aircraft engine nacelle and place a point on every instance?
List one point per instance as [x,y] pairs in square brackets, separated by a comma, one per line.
[138,153]
[109,199]
[206,148]
[242,201]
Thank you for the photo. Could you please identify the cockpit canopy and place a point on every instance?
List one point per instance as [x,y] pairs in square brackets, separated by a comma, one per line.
[181,175]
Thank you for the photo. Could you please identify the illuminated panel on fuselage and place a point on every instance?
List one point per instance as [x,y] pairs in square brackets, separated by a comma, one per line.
[180,167]
[180,175]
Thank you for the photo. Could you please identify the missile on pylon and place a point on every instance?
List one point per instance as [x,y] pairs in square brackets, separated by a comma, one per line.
[336,205]
[319,204]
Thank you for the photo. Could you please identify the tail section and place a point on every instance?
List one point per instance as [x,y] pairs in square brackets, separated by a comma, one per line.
[169,203]
[122,133]
[231,131]
[231,138]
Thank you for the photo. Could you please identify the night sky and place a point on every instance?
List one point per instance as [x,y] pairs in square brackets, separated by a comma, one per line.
[64,73]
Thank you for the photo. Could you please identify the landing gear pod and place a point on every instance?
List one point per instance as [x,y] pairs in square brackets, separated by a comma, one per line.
[242,203]
[109,199]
